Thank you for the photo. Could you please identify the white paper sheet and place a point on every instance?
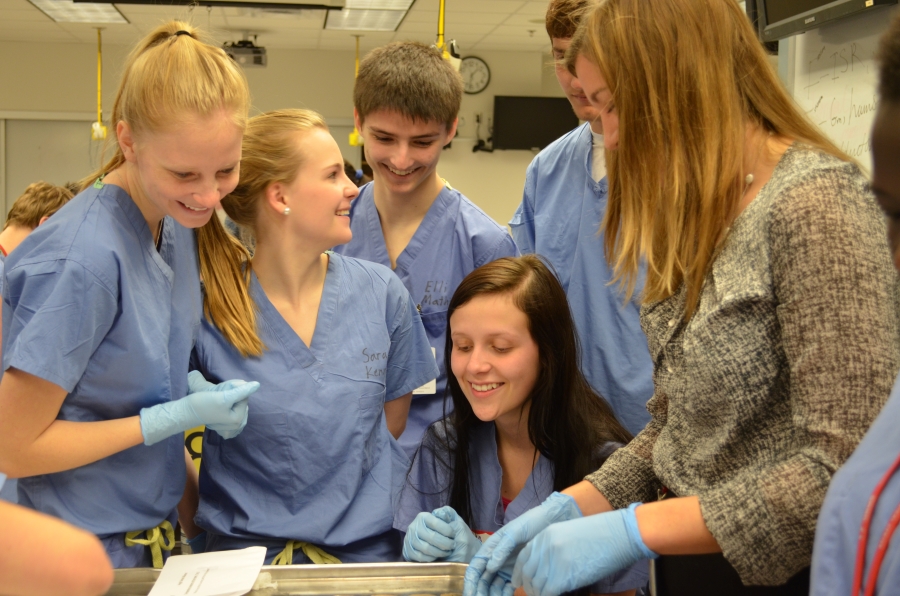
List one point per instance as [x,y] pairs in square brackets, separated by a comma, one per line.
[225,573]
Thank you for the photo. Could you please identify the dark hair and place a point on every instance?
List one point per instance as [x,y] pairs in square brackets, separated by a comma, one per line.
[411,79]
[563,16]
[568,422]
[889,63]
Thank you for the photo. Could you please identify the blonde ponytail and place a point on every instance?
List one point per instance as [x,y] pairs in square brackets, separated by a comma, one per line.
[269,154]
[225,270]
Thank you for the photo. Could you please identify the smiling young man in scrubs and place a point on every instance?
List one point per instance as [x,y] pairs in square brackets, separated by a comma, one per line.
[406,102]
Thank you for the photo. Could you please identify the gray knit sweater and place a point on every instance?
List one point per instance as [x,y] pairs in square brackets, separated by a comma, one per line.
[787,360]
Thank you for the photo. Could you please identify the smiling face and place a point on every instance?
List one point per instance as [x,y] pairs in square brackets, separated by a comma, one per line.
[403,153]
[319,197]
[571,86]
[186,170]
[494,358]
[885,173]
[597,92]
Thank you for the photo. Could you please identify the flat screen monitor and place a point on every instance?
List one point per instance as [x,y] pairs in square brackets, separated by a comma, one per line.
[530,122]
[782,18]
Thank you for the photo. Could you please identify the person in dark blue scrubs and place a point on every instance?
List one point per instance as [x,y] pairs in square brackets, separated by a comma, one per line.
[837,568]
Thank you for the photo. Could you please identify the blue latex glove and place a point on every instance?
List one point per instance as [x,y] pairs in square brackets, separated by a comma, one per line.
[482,577]
[441,535]
[572,554]
[197,543]
[222,408]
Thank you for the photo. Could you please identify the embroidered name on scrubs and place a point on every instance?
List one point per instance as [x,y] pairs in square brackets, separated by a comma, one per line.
[436,293]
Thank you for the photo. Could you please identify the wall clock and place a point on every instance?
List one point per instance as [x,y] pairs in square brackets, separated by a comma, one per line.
[475,74]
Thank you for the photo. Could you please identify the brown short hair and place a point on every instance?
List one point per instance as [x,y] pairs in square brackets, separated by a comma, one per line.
[563,17]
[39,200]
[409,78]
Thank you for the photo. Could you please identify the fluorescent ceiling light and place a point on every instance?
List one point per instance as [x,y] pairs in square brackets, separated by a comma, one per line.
[66,11]
[364,20]
[379,4]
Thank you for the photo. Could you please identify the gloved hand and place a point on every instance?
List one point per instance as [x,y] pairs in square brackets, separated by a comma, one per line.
[197,383]
[223,408]
[580,552]
[197,543]
[441,535]
[481,577]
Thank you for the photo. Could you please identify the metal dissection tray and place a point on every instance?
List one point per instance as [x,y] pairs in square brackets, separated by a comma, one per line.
[362,579]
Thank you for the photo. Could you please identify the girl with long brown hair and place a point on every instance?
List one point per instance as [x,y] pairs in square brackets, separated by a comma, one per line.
[525,421]
[770,307]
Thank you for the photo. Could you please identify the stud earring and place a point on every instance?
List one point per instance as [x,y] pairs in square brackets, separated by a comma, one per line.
[287,211]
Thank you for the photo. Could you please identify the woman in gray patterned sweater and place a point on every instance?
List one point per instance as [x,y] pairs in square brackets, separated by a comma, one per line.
[770,307]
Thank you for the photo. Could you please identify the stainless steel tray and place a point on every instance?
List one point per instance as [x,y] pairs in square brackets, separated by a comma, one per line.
[388,579]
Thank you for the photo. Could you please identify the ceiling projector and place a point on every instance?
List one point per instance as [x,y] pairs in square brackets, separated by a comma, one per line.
[246,53]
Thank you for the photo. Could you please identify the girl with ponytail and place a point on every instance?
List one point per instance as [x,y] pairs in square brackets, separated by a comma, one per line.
[337,344]
[102,305]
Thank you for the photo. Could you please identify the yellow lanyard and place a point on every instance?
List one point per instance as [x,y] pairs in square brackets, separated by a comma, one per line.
[160,538]
[315,554]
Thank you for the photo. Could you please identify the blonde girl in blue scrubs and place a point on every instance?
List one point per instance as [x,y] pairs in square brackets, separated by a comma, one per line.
[338,345]
[102,305]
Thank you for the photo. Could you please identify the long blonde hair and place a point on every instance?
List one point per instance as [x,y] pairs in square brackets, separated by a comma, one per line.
[270,154]
[172,74]
[686,77]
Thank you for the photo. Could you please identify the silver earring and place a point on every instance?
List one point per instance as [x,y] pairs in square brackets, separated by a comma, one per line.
[287,211]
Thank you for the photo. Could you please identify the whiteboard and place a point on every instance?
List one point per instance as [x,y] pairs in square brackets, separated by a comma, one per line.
[835,78]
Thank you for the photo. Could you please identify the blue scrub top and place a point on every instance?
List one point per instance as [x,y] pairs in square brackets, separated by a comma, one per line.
[454,238]
[840,520]
[316,461]
[428,488]
[91,306]
[8,491]
[559,217]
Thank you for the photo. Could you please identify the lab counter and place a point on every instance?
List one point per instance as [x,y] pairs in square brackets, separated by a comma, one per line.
[369,579]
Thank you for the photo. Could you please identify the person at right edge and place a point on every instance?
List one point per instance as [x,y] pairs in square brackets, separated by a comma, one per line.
[770,306]
[845,559]
[559,217]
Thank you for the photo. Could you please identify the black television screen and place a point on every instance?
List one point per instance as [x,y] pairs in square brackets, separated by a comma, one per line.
[782,18]
[530,122]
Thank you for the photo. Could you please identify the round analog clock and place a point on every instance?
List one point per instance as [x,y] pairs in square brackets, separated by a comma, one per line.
[475,74]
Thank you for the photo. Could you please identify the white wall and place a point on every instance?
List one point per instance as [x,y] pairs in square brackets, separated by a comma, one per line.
[53,86]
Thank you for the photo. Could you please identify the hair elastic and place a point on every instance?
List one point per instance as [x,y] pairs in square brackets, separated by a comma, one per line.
[183,32]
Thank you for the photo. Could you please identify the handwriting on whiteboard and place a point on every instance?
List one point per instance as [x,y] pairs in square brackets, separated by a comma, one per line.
[839,95]
[835,78]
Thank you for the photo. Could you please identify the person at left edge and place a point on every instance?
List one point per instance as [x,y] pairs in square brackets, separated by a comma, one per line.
[340,344]
[33,207]
[836,565]
[101,305]
[406,101]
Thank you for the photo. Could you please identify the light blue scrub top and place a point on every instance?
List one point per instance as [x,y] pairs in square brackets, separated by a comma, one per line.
[840,520]
[9,489]
[428,488]
[316,461]
[559,217]
[454,238]
[91,306]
